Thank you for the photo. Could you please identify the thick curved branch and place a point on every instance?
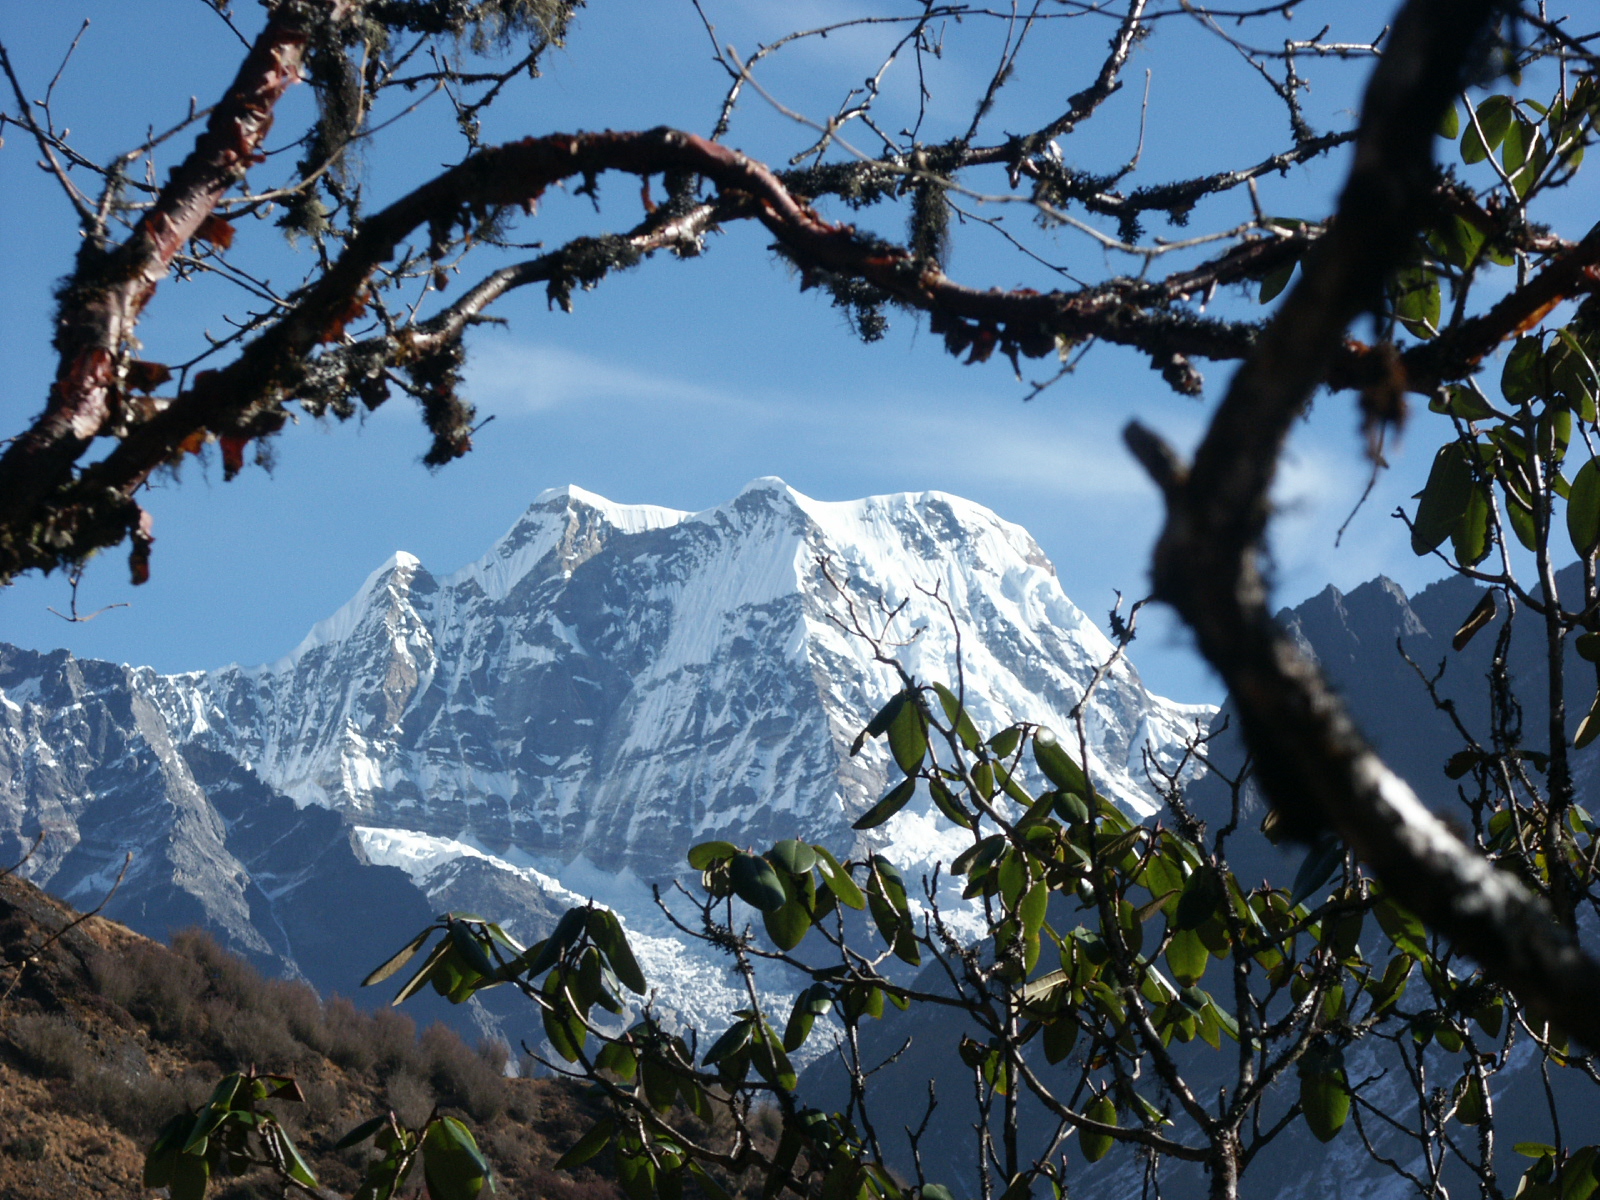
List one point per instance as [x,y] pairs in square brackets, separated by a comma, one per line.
[1313,762]
[359,368]
[42,525]
[48,516]
[110,287]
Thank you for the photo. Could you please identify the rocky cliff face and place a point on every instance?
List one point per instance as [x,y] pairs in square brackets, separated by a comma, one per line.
[561,719]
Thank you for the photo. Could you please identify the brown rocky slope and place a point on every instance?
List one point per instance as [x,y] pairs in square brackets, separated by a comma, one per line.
[104,1035]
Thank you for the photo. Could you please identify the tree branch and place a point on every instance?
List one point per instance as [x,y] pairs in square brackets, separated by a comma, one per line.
[1313,762]
[107,293]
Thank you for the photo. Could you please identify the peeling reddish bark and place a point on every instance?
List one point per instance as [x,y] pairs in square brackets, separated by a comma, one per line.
[102,307]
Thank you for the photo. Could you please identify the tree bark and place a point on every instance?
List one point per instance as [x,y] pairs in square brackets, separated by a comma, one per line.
[1315,766]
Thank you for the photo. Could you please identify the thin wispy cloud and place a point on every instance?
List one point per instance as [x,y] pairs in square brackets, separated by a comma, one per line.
[523,378]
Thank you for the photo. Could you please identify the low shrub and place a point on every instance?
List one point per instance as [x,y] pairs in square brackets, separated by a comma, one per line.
[52,1045]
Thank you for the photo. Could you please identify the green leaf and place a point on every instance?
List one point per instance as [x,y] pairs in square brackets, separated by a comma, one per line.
[452,1164]
[892,882]
[787,925]
[1450,125]
[637,1175]
[1202,893]
[908,737]
[979,855]
[162,1157]
[1320,863]
[1470,538]
[733,1040]
[605,930]
[224,1094]
[566,1032]
[1325,1100]
[619,1059]
[1187,956]
[1470,1107]
[712,1189]
[472,950]
[1057,764]
[298,1170]
[1583,509]
[546,954]
[362,1132]
[756,883]
[1095,1145]
[706,853]
[1573,374]
[1060,1036]
[885,716]
[1032,909]
[1522,524]
[1524,155]
[1588,646]
[1402,926]
[814,1002]
[839,881]
[936,1191]
[1275,280]
[1522,378]
[945,801]
[1070,807]
[957,716]
[769,1060]
[1003,743]
[893,801]
[1417,301]
[1444,499]
[1534,1149]
[794,856]
[399,960]
[1589,727]
[190,1174]
[1388,989]
[1494,117]
[1460,400]
[590,1144]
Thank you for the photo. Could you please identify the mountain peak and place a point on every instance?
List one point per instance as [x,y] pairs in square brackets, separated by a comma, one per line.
[399,574]
[767,483]
[629,518]
[568,521]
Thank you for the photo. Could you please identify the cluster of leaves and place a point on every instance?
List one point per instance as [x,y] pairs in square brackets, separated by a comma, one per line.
[1160,910]
[1518,451]
[232,1133]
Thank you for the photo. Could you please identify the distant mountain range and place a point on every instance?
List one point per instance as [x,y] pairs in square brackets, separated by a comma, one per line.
[562,719]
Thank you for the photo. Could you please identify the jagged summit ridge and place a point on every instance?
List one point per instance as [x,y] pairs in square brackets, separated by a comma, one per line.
[619,680]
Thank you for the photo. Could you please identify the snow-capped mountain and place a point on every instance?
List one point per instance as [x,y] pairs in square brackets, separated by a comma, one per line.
[566,716]
[619,682]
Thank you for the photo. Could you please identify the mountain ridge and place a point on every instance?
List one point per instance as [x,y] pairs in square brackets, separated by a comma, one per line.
[561,718]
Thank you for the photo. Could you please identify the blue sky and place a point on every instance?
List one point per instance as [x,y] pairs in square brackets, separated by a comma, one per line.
[676,383]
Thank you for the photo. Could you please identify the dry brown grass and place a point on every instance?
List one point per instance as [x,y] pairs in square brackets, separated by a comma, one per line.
[107,1034]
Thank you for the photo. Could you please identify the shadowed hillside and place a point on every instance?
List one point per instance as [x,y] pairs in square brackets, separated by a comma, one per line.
[105,1034]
